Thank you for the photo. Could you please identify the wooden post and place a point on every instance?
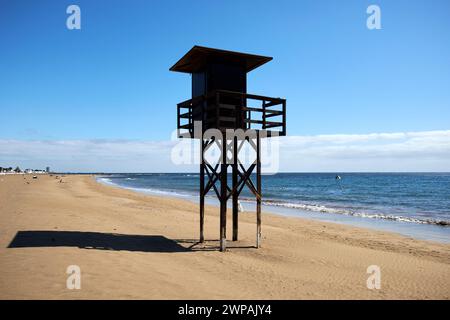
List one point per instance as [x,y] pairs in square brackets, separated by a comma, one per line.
[202,190]
[223,196]
[284,118]
[258,187]
[234,188]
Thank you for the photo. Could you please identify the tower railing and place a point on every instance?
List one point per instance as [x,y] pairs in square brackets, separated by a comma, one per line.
[223,110]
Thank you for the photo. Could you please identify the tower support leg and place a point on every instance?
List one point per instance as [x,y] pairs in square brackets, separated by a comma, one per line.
[258,189]
[223,197]
[234,188]
[202,191]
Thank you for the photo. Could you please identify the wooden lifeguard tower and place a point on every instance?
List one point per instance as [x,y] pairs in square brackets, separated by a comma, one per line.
[220,103]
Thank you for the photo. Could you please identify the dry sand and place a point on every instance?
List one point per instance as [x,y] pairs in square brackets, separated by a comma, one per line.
[130,245]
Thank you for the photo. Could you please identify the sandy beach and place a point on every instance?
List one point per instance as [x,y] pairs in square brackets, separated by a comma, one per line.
[134,246]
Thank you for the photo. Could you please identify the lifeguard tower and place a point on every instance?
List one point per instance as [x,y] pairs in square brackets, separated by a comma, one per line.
[221,105]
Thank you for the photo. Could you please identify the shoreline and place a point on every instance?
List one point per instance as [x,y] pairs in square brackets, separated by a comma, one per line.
[134,246]
[420,231]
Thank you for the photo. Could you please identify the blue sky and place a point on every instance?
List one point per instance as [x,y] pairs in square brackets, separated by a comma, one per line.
[110,80]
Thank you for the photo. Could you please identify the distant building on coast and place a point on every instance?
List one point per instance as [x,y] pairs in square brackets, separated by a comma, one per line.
[17,170]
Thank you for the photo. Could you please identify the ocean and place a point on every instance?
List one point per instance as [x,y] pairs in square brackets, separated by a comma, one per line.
[413,204]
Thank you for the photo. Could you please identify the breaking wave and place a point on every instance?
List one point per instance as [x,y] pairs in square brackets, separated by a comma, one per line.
[349,212]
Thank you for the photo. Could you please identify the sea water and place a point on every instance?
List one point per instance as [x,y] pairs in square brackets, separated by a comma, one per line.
[413,204]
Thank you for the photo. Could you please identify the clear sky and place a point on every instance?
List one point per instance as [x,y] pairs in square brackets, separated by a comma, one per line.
[110,81]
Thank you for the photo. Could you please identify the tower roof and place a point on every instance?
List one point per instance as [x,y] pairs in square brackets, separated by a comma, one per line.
[198,57]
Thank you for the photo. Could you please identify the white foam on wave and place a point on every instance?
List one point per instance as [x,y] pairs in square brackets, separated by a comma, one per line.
[105,180]
[349,212]
[108,181]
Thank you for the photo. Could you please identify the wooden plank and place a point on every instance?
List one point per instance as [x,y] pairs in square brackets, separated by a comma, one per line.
[274,103]
[202,192]
[273,113]
[178,117]
[247,96]
[213,177]
[253,121]
[284,118]
[258,186]
[185,126]
[274,125]
[223,198]
[254,109]
[269,124]
[186,115]
[234,192]
[227,106]
[229,119]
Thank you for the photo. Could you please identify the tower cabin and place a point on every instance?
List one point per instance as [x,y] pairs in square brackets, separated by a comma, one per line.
[220,101]
[219,94]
